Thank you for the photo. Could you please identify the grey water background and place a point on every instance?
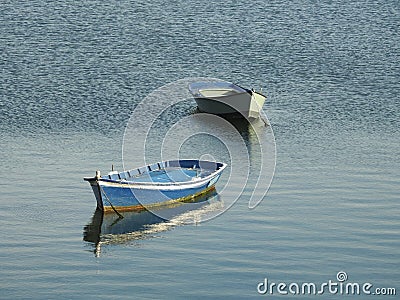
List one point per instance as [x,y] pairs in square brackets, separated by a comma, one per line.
[71,74]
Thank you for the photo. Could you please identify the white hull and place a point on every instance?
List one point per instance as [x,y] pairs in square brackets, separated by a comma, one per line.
[226,98]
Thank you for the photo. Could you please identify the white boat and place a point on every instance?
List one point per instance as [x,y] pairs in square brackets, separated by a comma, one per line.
[224,98]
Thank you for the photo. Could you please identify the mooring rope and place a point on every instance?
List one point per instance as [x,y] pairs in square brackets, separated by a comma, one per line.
[108,200]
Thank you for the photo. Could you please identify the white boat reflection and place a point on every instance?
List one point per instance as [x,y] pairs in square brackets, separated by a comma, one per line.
[110,229]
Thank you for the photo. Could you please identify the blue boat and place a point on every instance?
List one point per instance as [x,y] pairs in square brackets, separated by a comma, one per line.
[154,185]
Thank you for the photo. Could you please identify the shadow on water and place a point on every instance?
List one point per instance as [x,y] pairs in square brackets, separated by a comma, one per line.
[244,126]
[109,229]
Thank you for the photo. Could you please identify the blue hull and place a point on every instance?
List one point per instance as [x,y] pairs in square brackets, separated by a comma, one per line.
[131,197]
[154,185]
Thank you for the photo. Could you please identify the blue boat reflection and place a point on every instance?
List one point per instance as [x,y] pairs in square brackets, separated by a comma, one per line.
[110,229]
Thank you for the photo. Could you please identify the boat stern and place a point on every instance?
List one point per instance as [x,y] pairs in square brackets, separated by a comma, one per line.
[256,104]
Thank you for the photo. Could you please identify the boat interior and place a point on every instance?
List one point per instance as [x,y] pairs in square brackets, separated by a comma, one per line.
[169,171]
[219,92]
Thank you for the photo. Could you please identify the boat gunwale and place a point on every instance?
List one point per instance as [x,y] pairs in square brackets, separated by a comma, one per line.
[200,95]
[196,93]
[155,184]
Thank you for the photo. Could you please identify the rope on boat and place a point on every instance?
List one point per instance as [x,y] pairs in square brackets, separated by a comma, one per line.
[108,200]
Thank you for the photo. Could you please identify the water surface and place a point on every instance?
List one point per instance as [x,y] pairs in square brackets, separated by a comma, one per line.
[72,73]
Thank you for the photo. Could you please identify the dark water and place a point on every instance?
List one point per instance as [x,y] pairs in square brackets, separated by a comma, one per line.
[72,73]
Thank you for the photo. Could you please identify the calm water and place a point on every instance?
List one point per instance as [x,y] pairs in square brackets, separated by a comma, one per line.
[71,74]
